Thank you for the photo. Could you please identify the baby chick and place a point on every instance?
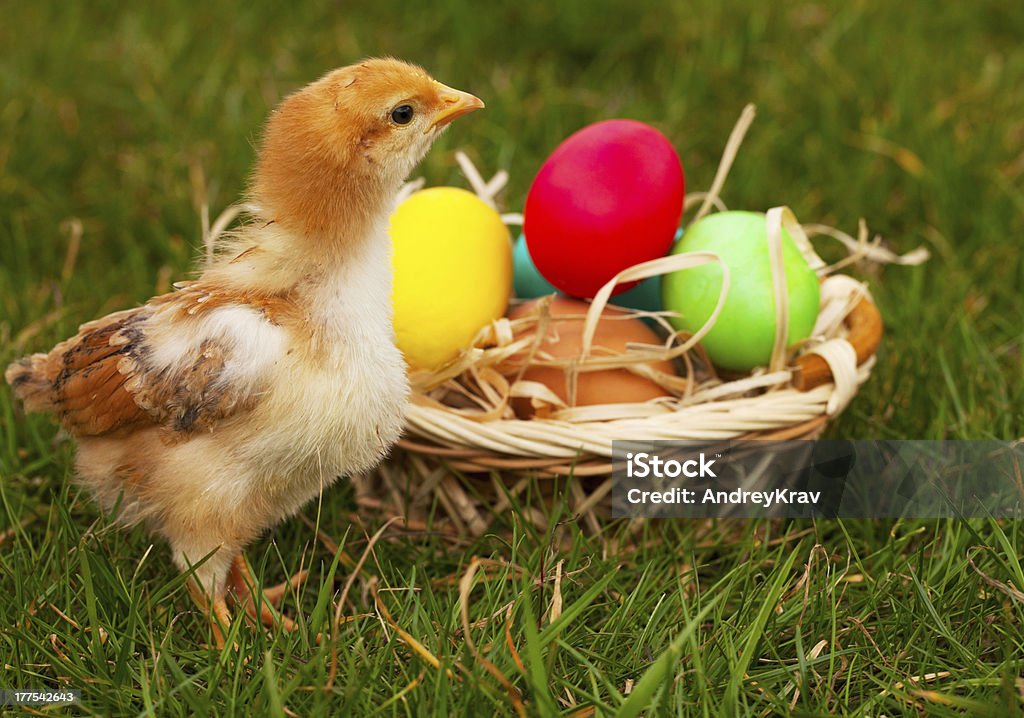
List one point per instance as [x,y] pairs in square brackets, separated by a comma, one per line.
[213,412]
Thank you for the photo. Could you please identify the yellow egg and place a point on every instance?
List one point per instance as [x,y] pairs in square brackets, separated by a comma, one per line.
[452,262]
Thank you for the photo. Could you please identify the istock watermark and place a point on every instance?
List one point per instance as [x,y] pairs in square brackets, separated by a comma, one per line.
[641,465]
[828,478]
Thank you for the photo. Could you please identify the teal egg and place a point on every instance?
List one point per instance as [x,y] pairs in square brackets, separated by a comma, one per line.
[526,280]
[529,284]
[645,296]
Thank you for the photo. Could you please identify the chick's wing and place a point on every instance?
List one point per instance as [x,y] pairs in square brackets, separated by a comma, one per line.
[184,361]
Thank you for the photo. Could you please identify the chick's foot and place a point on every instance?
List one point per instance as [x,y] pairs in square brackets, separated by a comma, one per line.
[243,588]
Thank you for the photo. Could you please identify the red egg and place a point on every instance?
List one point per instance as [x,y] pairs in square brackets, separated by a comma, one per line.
[610,196]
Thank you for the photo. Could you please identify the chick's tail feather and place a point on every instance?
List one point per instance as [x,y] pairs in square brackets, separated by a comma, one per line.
[30,380]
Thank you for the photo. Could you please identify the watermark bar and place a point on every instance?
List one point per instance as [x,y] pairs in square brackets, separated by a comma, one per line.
[818,479]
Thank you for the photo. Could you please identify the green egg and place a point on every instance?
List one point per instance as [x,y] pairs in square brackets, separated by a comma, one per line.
[744,333]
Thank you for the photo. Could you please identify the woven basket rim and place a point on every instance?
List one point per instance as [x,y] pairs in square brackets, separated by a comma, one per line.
[762,404]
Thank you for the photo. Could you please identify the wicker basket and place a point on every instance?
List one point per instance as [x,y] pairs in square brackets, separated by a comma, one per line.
[465,456]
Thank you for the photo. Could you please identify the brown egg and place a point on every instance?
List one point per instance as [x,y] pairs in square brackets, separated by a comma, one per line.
[563,339]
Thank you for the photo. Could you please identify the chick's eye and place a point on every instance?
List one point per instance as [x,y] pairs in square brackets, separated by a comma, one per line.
[402,115]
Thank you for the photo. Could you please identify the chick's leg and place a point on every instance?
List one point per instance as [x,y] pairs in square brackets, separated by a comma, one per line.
[221,576]
[215,608]
[207,587]
[241,582]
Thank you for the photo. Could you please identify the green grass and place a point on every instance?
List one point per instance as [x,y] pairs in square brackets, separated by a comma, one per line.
[909,114]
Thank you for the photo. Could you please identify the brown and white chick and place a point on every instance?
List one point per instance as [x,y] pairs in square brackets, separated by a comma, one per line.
[213,412]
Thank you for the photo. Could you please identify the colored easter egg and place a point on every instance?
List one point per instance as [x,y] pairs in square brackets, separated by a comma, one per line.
[645,296]
[452,261]
[564,338]
[527,281]
[529,284]
[610,196]
[744,334]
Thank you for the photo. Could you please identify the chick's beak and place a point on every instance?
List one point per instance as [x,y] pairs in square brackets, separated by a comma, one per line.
[456,104]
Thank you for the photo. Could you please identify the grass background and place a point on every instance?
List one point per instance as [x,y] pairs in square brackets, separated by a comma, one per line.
[910,114]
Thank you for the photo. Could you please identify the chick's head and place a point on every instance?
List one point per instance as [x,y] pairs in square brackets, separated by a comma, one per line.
[400,110]
[358,130]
